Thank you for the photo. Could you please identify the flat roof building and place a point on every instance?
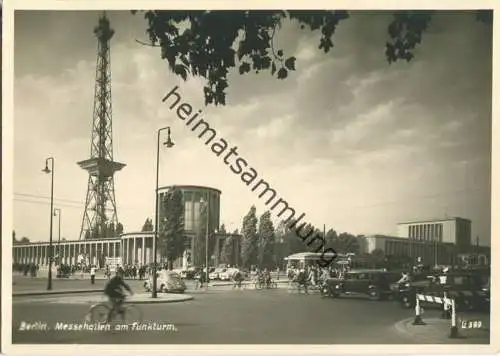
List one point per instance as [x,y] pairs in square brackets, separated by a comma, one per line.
[453,230]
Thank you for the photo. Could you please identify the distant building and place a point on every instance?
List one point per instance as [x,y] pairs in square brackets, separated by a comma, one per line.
[453,230]
[430,252]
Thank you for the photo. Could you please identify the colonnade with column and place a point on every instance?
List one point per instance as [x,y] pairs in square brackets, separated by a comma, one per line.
[66,251]
[138,249]
[132,248]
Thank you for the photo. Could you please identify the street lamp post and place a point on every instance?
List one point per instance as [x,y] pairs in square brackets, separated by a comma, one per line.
[169,144]
[57,212]
[51,171]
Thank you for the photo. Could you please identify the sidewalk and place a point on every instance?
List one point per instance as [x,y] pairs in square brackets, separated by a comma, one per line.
[437,331]
[139,298]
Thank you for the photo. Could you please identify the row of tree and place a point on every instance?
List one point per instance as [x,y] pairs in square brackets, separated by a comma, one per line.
[111,230]
[23,240]
[266,247]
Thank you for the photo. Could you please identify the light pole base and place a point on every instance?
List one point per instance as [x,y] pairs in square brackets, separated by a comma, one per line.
[418,321]
[453,332]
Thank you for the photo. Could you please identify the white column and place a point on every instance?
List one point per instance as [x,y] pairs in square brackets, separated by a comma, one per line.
[134,253]
[128,251]
[125,251]
[90,245]
[129,245]
[143,251]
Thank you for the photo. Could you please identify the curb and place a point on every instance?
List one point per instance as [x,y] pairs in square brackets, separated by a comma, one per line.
[161,300]
[400,328]
[29,294]
[182,298]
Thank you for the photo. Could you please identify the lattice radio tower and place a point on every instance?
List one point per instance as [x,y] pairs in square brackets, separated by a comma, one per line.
[100,204]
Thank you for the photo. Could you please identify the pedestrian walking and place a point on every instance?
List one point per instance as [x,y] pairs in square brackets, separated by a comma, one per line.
[92,274]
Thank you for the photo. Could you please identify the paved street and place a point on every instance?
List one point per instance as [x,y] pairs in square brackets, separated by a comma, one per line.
[220,316]
[223,315]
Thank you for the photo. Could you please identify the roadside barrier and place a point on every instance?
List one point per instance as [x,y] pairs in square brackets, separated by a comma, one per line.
[447,304]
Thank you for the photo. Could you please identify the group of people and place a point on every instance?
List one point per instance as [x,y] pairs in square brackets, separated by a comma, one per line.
[313,276]
[26,268]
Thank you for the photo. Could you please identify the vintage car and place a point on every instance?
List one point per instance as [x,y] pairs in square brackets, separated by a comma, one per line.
[467,289]
[372,283]
[166,282]
[216,273]
[228,274]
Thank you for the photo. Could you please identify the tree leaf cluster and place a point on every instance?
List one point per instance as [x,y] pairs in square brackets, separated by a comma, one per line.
[209,44]
[148,225]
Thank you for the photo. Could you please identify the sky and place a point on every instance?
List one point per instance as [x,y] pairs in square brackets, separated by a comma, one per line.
[353,142]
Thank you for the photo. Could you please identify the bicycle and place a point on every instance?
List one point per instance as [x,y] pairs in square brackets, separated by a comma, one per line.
[237,284]
[260,284]
[105,312]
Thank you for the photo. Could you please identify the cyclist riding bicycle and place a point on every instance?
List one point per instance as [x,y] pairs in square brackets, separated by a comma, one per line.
[237,279]
[114,291]
[267,277]
[302,279]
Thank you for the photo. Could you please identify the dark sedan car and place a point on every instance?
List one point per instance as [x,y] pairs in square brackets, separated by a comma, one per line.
[372,283]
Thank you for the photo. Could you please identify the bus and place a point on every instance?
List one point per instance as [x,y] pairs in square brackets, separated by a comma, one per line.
[301,260]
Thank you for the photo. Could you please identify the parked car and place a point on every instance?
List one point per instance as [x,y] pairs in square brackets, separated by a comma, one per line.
[228,274]
[467,289]
[166,282]
[373,283]
[216,273]
[400,290]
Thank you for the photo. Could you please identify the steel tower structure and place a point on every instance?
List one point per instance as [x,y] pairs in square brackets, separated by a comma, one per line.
[100,203]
